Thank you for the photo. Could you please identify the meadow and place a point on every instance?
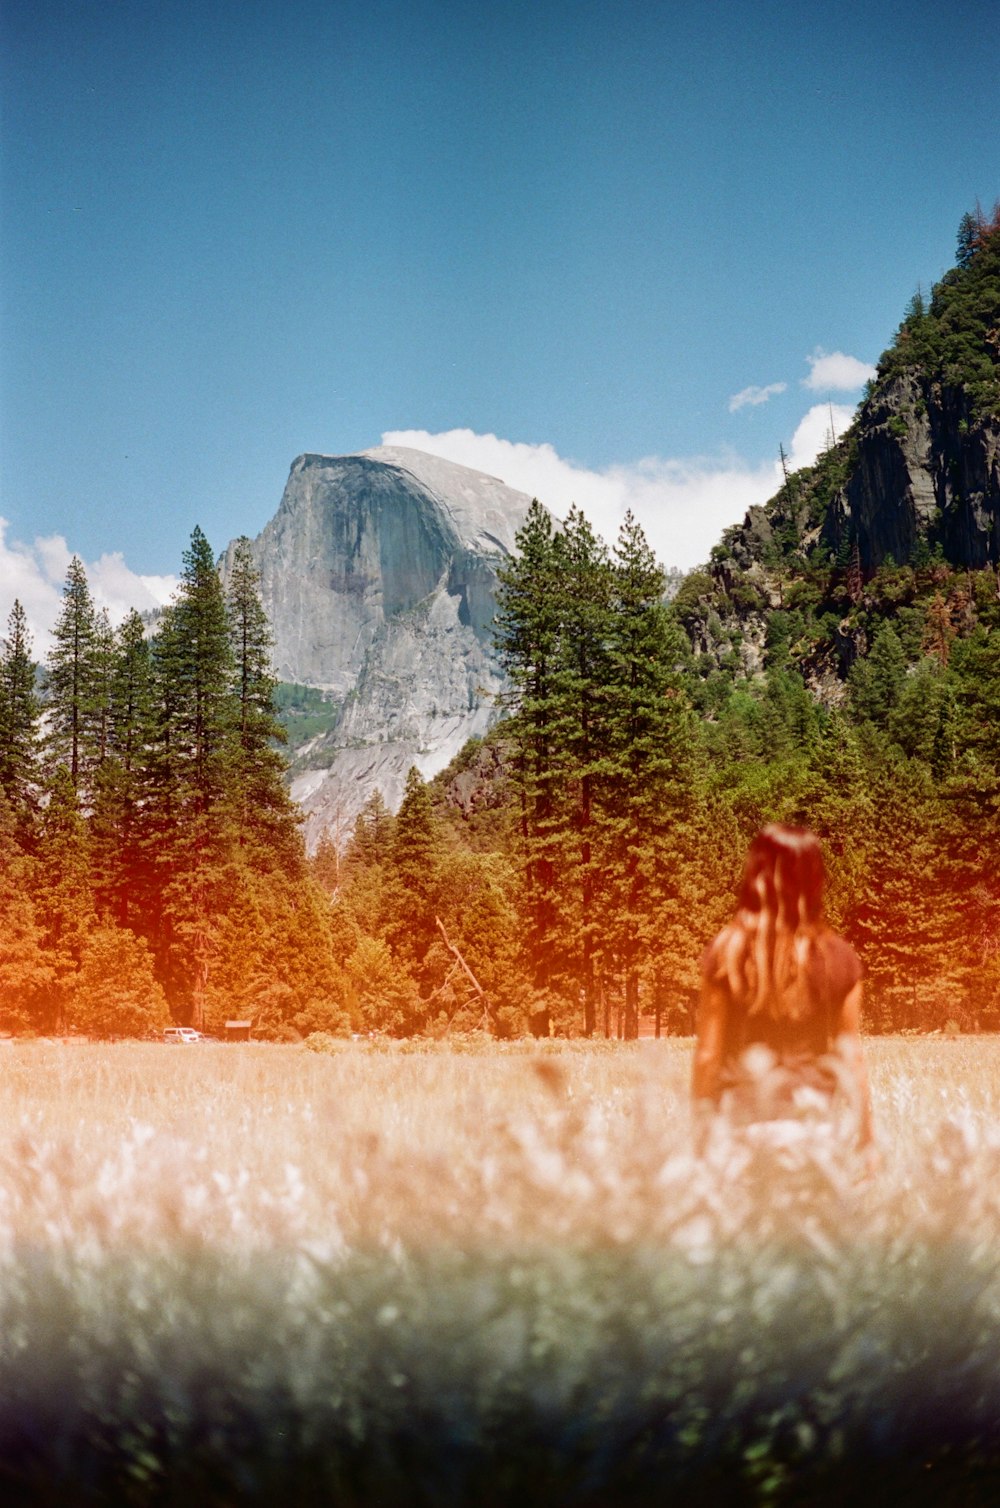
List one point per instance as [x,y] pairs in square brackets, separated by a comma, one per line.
[476,1273]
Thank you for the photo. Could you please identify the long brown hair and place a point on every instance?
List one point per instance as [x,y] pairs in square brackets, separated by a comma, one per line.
[768,953]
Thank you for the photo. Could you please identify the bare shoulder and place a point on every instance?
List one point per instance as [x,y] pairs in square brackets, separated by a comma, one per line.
[843,966]
[713,959]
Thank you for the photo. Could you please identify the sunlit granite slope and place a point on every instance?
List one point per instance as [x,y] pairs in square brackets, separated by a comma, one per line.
[378,572]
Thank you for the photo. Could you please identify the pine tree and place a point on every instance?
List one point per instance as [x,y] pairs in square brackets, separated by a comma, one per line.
[527,637]
[923,720]
[25,969]
[267,818]
[910,936]
[371,840]
[122,880]
[105,654]
[116,993]
[194,670]
[366,898]
[877,681]
[413,869]
[324,866]
[187,818]
[74,680]
[64,902]
[580,686]
[132,694]
[19,716]
[976,664]
[970,236]
[650,743]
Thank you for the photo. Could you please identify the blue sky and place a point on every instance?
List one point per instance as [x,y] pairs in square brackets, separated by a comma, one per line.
[557,240]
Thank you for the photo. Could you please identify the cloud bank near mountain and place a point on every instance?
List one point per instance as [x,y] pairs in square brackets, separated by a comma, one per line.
[683,504]
[35,573]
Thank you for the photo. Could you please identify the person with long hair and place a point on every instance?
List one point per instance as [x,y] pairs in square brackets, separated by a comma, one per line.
[780,1013]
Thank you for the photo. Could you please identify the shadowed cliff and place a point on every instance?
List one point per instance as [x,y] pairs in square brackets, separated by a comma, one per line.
[378,574]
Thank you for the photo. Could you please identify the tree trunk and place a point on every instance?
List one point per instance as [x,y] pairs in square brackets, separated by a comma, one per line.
[540,1022]
[631,1032]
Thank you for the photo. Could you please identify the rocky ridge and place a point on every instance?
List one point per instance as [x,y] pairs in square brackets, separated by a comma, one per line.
[890,515]
[925,469]
[919,468]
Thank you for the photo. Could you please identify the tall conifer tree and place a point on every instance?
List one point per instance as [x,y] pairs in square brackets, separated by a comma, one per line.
[414,861]
[191,773]
[19,715]
[64,901]
[266,815]
[649,788]
[74,679]
[582,672]
[527,636]
[193,664]
[122,879]
[25,968]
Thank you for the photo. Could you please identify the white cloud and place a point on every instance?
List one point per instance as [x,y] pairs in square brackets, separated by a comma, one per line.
[683,505]
[812,435]
[753,396]
[35,574]
[834,371]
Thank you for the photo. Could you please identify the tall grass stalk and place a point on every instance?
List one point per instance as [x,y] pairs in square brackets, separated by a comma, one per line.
[248,1274]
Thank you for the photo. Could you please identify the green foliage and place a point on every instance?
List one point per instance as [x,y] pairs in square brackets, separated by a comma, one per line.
[601,762]
[305,713]
[565,871]
[19,717]
[976,664]
[116,992]
[194,669]
[694,597]
[26,968]
[381,994]
[156,818]
[876,682]
[62,892]
[650,793]
[951,340]
[263,813]
[74,680]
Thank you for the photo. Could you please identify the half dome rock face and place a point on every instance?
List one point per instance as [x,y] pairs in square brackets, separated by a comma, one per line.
[378,573]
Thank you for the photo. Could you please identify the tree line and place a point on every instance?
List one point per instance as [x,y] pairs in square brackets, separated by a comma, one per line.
[151,856]
[562,875]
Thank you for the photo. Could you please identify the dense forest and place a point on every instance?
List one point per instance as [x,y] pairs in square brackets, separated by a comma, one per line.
[564,874]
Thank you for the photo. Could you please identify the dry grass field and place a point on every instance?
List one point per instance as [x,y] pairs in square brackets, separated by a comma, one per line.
[487,1274]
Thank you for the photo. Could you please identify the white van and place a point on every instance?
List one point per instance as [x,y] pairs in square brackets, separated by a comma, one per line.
[181,1034]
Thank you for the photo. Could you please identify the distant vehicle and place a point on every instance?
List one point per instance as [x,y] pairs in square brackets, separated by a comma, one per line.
[181,1034]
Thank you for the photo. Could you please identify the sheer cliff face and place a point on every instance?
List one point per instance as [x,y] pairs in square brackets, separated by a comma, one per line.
[378,573]
[925,469]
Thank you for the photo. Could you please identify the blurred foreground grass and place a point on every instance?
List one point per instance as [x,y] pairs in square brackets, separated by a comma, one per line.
[258,1274]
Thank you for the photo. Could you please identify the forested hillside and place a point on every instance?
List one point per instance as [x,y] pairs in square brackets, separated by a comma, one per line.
[565,873]
[805,675]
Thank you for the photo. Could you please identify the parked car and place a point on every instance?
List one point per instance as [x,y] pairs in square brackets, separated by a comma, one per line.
[181,1034]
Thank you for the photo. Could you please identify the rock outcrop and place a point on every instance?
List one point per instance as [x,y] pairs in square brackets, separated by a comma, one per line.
[378,573]
[925,468]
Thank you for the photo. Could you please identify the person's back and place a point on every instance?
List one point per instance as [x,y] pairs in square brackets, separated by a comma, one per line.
[778,1025]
